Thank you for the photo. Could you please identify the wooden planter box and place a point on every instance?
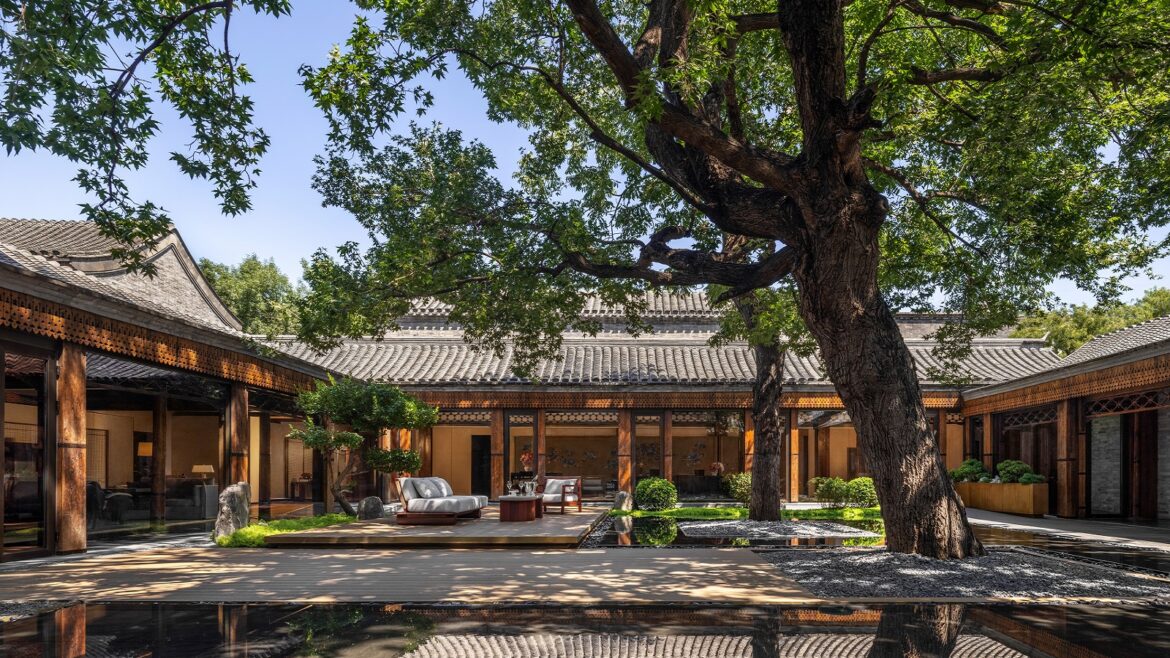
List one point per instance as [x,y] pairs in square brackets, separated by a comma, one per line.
[1025,499]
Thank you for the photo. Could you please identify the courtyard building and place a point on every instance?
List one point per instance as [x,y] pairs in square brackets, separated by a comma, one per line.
[130,401]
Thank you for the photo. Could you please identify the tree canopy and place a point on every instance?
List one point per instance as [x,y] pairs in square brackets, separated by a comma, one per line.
[257,292]
[1069,327]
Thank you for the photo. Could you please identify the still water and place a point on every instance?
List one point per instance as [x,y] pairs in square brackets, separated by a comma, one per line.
[983,631]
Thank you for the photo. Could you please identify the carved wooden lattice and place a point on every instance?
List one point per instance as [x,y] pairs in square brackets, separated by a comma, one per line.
[1142,401]
[582,418]
[1026,417]
[465,418]
[52,320]
[954,419]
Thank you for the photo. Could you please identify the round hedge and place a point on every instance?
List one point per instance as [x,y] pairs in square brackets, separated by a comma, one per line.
[654,494]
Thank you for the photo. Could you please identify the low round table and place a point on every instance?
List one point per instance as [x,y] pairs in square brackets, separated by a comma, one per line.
[520,508]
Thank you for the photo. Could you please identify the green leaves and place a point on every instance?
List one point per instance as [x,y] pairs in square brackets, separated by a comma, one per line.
[257,292]
[366,407]
[1068,328]
[82,80]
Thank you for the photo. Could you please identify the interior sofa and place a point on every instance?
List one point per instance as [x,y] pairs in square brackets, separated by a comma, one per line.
[431,501]
[190,499]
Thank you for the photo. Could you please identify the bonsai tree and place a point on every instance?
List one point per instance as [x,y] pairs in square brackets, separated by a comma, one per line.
[368,408]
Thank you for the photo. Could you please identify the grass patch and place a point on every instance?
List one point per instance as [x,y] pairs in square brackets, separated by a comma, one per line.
[253,535]
[737,513]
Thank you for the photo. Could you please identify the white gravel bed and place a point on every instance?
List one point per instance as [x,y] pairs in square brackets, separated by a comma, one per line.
[847,572]
[13,610]
[770,529]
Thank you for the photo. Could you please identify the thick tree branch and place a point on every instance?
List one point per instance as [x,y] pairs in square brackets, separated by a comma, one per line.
[923,77]
[917,8]
[922,200]
[745,23]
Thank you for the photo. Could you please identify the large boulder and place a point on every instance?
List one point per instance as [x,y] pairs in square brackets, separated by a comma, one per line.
[623,501]
[370,508]
[233,510]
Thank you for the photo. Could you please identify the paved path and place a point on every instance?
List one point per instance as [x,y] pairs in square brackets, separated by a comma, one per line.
[1113,532]
[617,576]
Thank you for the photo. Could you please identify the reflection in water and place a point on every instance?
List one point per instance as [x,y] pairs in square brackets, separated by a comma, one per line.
[915,631]
[466,632]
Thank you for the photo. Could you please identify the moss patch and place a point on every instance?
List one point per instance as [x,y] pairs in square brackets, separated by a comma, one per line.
[253,535]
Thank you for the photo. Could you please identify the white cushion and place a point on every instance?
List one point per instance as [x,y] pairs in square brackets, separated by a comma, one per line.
[408,491]
[427,488]
[446,504]
[554,486]
[556,498]
[444,487]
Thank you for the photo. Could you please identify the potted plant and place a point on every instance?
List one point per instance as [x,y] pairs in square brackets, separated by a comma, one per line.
[1015,490]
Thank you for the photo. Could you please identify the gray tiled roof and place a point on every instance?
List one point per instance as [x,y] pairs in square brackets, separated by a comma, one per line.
[41,266]
[441,358]
[55,236]
[1122,340]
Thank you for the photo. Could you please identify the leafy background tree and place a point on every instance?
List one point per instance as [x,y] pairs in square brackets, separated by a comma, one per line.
[1069,327]
[257,292]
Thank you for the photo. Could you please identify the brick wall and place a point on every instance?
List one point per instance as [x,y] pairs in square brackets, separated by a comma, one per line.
[1105,465]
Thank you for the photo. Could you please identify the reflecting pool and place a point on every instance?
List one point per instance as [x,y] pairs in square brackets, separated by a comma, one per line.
[630,632]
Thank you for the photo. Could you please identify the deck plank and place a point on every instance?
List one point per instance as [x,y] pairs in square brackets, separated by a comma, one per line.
[481,576]
[553,530]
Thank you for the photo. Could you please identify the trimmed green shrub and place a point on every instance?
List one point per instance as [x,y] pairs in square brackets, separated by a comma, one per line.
[1010,470]
[655,531]
[1032,478]
[833,491]
[861,492]
[655,494]
[814,484]
[739,487]
[970,470]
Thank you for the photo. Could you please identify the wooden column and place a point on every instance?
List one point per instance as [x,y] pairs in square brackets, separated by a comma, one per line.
[264,487]
[988,441]
[1066,459]
[158,480]
[237,439]
[749,441]
[70,489]
[539,439]
[794,484]
[69,623]
[821,434]
[624,442]
[497,453]
[668,445]
[426,450]
[941,435]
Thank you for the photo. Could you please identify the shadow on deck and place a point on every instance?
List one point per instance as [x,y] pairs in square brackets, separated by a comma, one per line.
[553,530]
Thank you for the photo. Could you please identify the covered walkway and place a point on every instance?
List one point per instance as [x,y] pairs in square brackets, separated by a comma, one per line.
[1153,535]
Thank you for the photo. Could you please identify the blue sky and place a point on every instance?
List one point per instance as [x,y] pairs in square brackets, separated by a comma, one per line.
[287,222]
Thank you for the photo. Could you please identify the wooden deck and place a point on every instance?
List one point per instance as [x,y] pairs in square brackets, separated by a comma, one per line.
[481,576]
[553,530]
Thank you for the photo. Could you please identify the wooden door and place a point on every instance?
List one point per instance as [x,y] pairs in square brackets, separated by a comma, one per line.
[1142,480]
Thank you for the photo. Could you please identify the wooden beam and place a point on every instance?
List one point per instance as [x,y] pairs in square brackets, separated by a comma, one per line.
[1066,459]
[749,441]
[158,481]
[988,441]
[265,485]
[70,476]
[238,440]
[497,424]
[793,457]
[624,443]
[539,439]
[668,445]
[464,399]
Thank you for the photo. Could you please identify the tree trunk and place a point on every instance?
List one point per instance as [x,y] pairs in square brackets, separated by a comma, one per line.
[336,483]
[873,371]
[766,486]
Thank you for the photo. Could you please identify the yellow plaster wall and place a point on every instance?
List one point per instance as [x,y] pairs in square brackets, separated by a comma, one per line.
[451,454]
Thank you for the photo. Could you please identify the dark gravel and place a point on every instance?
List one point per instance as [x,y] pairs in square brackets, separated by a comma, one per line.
[842,572]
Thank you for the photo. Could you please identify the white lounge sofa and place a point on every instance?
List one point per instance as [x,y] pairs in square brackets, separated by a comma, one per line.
[431,501]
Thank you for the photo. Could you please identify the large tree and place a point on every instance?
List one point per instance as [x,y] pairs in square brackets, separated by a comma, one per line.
[259,294]
[954,154]
[1069,327]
